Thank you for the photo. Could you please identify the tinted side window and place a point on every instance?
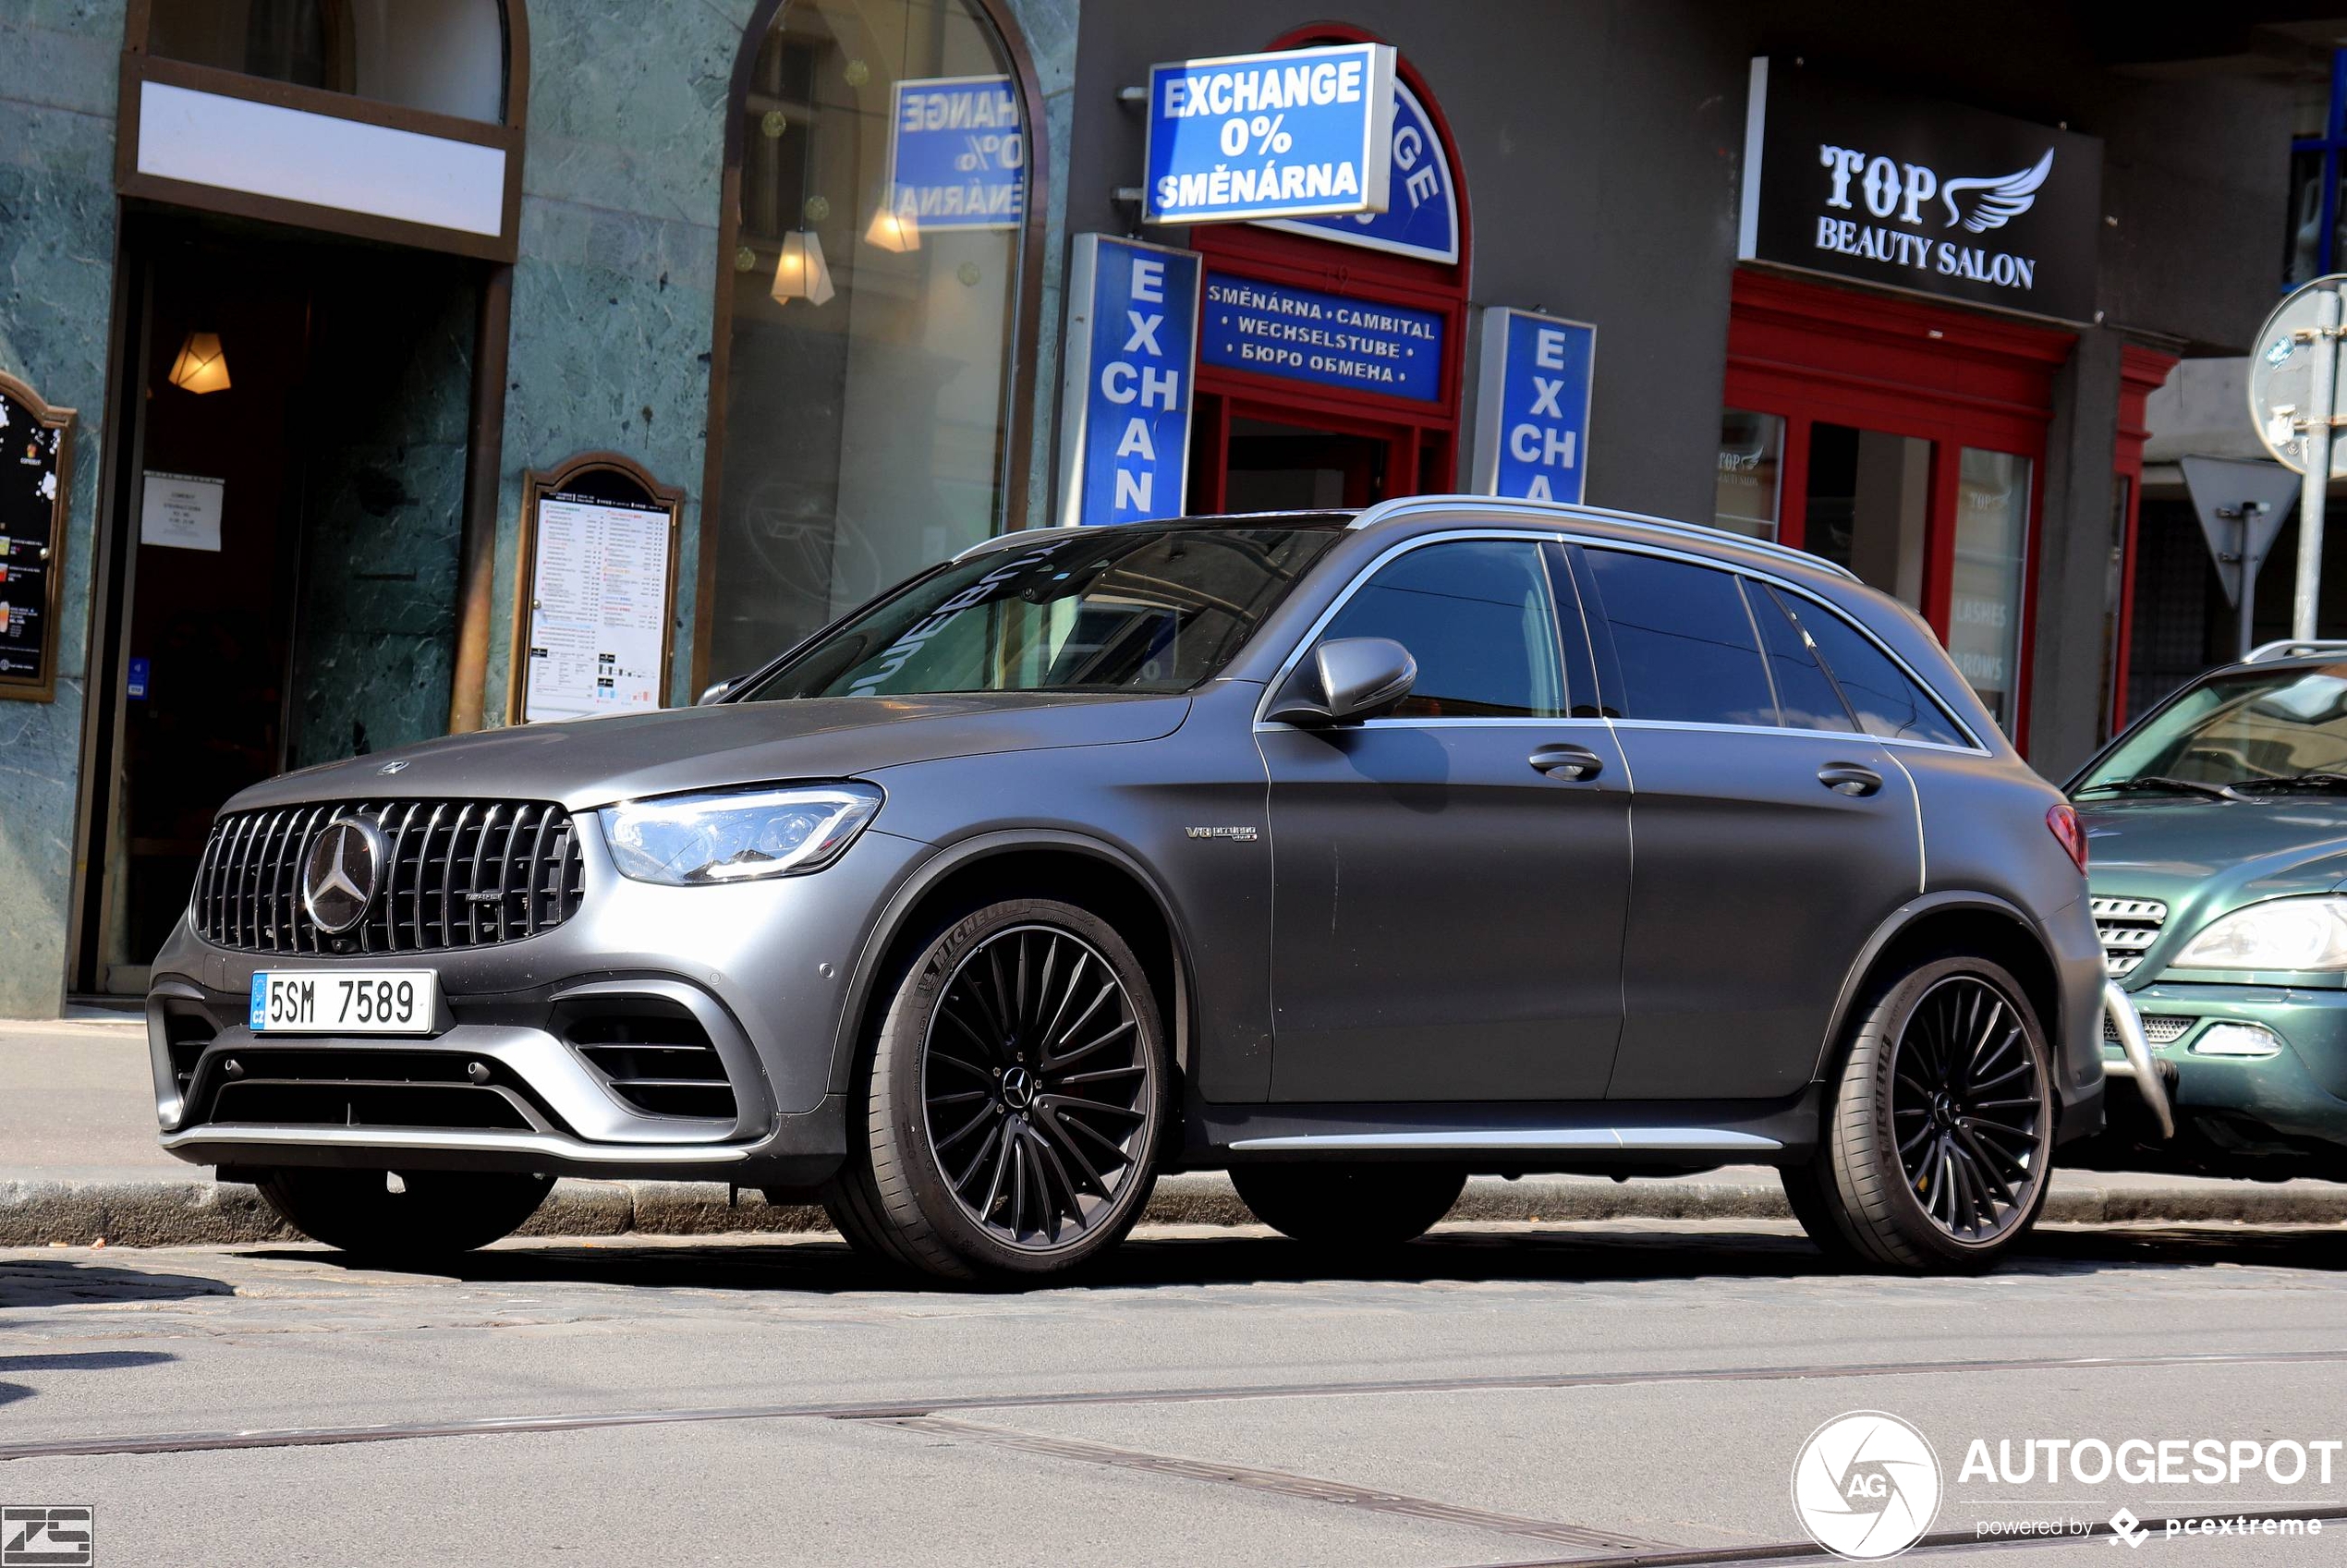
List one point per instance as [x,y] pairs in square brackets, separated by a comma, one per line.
[1806,695]
[1683,640]
[1886,699]
[1478,616]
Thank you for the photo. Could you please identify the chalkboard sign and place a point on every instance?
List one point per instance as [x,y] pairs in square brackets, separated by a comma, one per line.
[36,459]
[597,591]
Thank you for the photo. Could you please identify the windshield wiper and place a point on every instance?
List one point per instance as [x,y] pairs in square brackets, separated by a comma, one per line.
[2317,780]
[2160,783]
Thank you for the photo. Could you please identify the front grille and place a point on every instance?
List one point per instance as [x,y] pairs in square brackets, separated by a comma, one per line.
[462,873]
[2160,1028]
[2126,927]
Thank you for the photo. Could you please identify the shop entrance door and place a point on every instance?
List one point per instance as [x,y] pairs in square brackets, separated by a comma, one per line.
[1274,458]
[277,580]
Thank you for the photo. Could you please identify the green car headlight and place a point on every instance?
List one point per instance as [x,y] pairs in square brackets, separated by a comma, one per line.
[2282,933]
[737,835]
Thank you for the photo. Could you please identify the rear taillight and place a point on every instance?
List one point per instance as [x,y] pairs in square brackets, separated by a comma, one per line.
[2064,823]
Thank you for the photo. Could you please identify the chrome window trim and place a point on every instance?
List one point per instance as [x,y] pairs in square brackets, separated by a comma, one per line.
[1480,724]
[1703,726]
[1560,536]
[1562,515]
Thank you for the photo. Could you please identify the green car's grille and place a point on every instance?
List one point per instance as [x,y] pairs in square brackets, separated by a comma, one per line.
[2126,927]
[2160,1028]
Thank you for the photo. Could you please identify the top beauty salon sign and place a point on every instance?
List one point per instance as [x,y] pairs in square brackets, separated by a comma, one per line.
[1929,198]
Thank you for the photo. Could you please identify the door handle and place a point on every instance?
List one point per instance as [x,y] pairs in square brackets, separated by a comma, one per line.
[1569,763]
[1848,778]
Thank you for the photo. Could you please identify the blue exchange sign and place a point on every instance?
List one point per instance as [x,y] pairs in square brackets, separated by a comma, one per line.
[957,154]
[1423,217]
[1532,407]
[1132,349]
[1305,334]
[1297,134]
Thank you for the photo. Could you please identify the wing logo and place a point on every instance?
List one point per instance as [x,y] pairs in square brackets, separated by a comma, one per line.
[1996,201]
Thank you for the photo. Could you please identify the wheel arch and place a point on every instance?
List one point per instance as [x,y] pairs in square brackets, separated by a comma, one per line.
[1942,924]
[1041,862]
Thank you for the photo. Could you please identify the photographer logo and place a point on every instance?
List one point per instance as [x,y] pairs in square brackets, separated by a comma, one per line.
[1867,1486]
[57,1536]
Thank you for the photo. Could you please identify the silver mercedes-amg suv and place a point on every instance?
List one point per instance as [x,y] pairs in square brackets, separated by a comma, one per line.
[1352,853]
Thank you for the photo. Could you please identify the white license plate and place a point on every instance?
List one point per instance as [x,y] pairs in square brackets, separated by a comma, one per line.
[344,1001]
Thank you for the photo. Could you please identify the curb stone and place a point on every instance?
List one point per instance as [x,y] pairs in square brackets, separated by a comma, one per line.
[195,1212]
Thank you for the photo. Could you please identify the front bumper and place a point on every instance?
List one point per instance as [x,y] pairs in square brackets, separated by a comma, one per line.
[525,1070]
[2278,1116]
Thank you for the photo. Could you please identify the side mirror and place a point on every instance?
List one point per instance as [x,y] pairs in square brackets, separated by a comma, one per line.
[715,691]
[1346,681]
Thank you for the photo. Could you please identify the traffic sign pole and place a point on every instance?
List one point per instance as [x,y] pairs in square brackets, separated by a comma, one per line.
[2322,408]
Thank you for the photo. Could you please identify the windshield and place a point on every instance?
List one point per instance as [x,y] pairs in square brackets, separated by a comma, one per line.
[1136,607]
[2244,728]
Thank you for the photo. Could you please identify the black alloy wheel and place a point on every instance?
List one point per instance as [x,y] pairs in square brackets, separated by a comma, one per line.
[1018,1091]
[1038,1073]
[1964,1106]
[1937,1146]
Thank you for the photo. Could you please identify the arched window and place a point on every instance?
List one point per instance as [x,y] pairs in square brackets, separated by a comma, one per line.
[878,195]
[446,56]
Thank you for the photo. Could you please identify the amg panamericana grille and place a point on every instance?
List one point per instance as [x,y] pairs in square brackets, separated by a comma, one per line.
[457,874]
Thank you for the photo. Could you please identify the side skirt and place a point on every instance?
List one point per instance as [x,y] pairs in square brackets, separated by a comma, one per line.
[1512,1137]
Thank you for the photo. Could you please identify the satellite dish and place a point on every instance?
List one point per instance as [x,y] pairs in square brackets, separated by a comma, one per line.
[2281,371]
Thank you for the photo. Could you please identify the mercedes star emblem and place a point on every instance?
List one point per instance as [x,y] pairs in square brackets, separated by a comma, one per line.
[339,875]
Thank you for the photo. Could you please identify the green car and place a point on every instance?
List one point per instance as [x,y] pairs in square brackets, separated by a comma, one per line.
[2217,831]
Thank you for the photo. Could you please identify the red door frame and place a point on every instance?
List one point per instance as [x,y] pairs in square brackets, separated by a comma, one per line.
[1813,354]
[1422,437]
[2142,371]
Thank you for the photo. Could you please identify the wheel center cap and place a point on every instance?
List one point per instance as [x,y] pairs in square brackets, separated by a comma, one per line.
[1018,1089]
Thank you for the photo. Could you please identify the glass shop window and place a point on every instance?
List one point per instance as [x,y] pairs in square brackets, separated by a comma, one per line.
[875,275]
[447,56]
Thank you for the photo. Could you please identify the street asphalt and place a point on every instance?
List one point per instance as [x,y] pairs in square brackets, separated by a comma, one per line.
[1627,1379]
[1622,1391]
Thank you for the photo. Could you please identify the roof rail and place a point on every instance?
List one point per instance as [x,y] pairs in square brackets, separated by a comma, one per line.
[1558,511]
[2292,648]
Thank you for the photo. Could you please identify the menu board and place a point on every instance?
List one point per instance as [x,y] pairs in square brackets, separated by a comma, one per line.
[597,615]
[36,444]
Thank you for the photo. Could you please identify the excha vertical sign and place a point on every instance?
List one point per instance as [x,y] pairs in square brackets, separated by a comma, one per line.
[1297,133]
[1131,352]
[1532,405]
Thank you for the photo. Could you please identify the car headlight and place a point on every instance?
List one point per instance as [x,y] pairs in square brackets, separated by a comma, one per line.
[2284,933]
[737,835]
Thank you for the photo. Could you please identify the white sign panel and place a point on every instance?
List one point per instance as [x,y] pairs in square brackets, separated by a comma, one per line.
[321,160]
[599,596]
[181,511]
